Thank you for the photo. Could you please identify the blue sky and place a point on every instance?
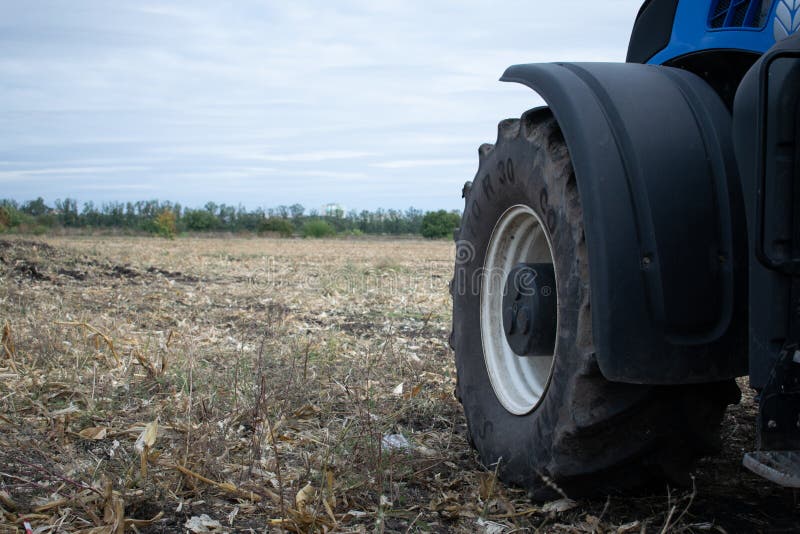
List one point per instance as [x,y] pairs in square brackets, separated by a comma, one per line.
[363,103]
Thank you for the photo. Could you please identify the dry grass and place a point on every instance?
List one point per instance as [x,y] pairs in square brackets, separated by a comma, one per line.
[261,382]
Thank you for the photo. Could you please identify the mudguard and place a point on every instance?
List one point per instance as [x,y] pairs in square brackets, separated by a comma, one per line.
[664,217]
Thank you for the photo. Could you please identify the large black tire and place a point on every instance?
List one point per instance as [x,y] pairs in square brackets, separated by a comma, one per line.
[586,435]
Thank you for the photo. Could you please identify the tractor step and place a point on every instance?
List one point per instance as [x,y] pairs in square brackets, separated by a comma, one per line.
[780,467]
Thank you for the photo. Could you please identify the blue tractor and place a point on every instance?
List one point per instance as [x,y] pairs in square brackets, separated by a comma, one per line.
[629,250]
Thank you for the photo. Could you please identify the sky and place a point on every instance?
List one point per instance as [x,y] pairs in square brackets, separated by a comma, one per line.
[364,103]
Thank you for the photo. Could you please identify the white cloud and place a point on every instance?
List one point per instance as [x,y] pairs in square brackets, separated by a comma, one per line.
[323,155]
[350,176]
[6,176]
[319,90]
[415,163]
[115,187]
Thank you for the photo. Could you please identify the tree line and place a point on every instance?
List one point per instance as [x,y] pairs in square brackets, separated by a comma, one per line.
[171,218]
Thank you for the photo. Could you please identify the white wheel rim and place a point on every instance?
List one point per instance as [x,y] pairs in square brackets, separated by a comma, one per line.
[518,382]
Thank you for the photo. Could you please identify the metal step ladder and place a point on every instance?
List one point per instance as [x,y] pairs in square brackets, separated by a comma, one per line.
[780,467]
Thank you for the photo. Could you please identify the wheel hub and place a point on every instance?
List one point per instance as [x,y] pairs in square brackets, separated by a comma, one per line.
[529,309]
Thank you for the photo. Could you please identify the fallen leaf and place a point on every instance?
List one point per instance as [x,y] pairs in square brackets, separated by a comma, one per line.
[5,500]
[487,485]
[304,496]
[203,523]
[414,392]
[94,432]
[629,527]
[64,411]
[306,412]
[395,442]
[490,527]
[561,505]
[356,513]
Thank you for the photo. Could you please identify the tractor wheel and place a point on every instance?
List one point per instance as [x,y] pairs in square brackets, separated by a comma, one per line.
[538,409]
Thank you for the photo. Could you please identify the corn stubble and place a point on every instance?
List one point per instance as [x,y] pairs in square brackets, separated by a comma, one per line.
[257,381]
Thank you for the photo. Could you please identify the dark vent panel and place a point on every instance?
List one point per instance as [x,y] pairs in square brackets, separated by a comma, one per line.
[733,14]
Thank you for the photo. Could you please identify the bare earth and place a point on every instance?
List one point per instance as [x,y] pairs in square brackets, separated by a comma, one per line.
[276,385]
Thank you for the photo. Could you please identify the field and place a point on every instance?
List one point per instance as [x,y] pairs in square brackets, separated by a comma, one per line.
[275,385]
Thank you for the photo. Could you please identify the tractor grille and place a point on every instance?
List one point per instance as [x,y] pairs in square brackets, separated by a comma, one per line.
[732,14]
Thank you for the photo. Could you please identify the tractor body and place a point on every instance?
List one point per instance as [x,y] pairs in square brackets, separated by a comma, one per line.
[687,163]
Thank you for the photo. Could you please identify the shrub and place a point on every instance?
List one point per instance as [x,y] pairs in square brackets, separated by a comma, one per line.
[318,228]
[5,219]
[276,225]
[46,220]
[439,224]
[12,218]
[164,224]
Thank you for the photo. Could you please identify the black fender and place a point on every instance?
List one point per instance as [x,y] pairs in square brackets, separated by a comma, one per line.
[663,214]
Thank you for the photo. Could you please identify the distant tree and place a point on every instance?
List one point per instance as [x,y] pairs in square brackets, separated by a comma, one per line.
[296,211]
[249,220]
[35,207]
[365,221]
[67,211]
[200,220]
[318,228]
[333,211]
[141,215]
[394,222]
[440,223]
[89,215]
[413,221]
[227,217]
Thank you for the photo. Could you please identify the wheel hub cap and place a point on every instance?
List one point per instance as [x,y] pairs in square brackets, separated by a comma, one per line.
[529,309]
